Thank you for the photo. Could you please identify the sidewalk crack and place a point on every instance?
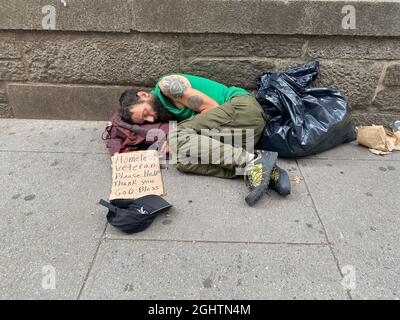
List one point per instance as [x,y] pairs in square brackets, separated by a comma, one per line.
[336,259]
[92,263]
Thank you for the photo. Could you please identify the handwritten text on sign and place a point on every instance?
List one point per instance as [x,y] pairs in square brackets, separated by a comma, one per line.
[136,174]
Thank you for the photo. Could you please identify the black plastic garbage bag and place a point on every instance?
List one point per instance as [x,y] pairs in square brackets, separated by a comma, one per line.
[303,121]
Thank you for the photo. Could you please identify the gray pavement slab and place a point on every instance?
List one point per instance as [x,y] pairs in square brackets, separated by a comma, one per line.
[52,136]
[210,245]
[213,209]
[354,151]
[358,203]
[49,218]
[179,270]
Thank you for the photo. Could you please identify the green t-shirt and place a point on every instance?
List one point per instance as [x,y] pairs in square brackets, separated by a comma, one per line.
[215,90]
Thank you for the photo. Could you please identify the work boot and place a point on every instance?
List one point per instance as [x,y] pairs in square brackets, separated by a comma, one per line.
[257,175]
[280,181]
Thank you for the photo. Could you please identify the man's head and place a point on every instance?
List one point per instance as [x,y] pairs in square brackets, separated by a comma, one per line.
[140,106]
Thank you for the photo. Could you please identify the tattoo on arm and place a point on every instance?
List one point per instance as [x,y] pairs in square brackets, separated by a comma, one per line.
[174,87]
[195,102]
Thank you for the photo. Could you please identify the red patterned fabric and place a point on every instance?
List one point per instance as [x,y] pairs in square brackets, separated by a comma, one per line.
[122,137]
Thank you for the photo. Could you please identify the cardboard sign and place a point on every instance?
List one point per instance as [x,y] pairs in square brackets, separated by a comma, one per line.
[136,174]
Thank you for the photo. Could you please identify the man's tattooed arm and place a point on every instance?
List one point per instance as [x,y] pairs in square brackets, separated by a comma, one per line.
[179,89]
[195,102]
[173,86]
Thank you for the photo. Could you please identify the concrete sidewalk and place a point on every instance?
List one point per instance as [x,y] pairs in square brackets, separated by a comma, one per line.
[342,219]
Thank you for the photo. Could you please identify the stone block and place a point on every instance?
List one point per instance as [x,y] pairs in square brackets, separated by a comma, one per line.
[9,48]
[341,47]
[3,95]
[133,59]
[392,76]
[357,80]
[245,45]
[88,15]
[231,72]
[265,17]
[377,118]
[5,111]
[12,70]
[43,101]
[388,100]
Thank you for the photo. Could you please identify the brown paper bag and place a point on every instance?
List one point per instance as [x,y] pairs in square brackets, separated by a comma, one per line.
[378,139]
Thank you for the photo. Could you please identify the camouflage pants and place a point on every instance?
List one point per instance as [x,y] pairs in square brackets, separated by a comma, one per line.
[218,141]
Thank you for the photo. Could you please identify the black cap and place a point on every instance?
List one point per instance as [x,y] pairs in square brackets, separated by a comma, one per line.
[136,215]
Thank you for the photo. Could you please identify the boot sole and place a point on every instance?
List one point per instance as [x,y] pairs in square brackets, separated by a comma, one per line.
[256,194]
[284,188]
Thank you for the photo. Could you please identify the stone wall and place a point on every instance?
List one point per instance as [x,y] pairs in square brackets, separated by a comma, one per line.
[99,48]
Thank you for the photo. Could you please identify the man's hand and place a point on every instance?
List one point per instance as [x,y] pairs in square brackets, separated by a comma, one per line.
[179,89]
[165,148]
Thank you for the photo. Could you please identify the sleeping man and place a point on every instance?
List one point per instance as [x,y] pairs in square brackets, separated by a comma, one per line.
[218,127]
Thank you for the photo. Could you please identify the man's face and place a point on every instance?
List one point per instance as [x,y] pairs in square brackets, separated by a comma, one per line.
[144,111]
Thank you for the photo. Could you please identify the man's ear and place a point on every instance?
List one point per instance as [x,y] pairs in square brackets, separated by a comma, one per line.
[143,94]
